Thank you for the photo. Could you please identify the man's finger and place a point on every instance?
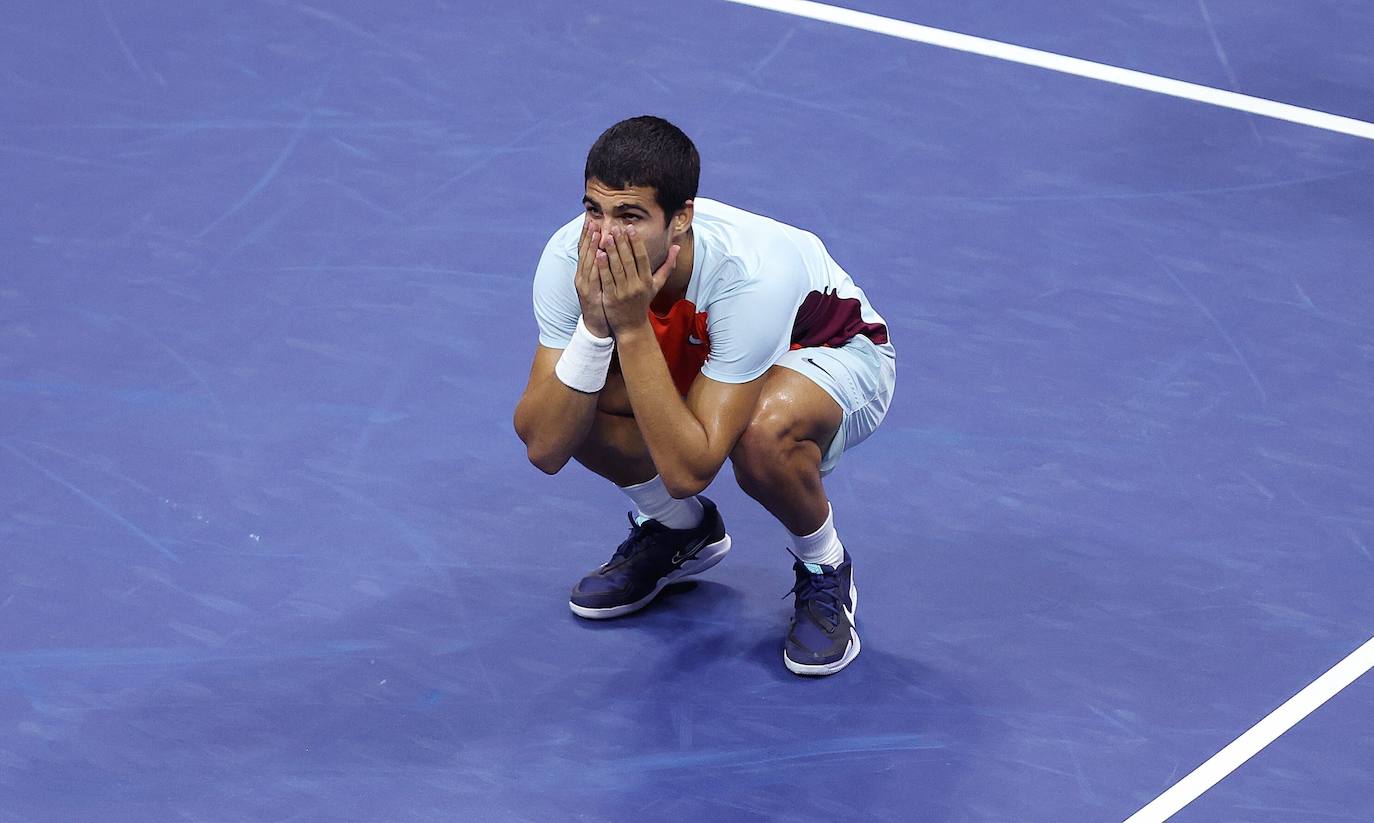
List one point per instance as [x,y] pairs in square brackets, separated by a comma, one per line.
[605,280]
[592,280]
[584,247]
[641,253]
[586,257]
[594,295]
[617,266]
[584,243]
[628,259]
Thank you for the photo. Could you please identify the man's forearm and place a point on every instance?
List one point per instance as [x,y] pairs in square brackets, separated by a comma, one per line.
[553,421]
[558,406]
[677,441]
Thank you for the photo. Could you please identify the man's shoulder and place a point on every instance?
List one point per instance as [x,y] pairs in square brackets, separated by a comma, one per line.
[743,234]
[558,261]
[716,212]
[564,239]
[741,245]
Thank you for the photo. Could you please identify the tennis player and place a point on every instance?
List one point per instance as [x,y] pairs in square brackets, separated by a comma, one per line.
[676,331]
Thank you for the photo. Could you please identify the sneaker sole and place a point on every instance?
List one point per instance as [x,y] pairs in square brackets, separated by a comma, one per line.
[709,556]
[826,668]
[850,652]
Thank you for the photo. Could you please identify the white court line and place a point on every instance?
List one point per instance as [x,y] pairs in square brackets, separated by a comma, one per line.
[1262,734]
[1359,661]
[1067,65]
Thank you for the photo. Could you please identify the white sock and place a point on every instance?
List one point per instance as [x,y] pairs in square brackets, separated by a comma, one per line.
[822,547]
[654,503]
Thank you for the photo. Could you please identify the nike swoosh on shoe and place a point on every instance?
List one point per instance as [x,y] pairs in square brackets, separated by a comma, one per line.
[693,551]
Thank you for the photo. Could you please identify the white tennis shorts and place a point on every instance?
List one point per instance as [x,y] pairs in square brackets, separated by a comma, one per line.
[860,376]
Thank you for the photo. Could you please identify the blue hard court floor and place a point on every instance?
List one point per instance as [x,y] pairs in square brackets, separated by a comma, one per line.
[270,549]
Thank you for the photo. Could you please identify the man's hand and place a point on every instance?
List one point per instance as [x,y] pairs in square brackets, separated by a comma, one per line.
[627,278]
[587,282]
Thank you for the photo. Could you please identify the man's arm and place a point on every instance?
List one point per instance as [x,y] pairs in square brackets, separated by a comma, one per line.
[690,440]
[551,418]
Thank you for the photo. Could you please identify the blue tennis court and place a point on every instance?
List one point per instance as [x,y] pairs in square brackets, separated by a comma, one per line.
[270,549]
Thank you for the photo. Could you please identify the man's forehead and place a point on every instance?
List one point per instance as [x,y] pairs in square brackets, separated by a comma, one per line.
[634,195]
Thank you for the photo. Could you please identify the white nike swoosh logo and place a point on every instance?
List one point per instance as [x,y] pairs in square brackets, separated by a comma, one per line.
[693,551]
[692,339]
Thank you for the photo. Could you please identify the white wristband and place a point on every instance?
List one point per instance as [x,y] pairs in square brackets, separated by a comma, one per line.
[584,363]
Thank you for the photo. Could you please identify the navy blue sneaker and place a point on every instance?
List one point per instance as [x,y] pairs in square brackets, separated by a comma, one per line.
[822,639]
[650,558]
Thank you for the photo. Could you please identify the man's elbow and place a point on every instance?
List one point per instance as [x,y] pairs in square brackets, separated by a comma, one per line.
[547,462]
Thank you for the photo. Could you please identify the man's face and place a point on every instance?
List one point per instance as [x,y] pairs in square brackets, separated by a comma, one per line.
[635,206]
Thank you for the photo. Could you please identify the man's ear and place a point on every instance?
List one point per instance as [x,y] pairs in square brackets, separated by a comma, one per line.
[682,220]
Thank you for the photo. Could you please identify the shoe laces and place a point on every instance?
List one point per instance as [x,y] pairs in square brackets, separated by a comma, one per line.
[822,589]
[636,541]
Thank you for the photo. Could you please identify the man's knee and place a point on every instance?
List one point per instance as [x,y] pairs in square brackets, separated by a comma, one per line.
[769,444]
[615,450]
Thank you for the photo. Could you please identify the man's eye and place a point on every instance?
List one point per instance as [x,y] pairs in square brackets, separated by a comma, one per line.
[632,217]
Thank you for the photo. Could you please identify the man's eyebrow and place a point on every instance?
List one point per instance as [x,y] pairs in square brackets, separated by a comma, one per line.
[587,201]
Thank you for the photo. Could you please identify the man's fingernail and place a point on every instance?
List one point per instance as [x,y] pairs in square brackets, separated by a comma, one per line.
[630,230]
